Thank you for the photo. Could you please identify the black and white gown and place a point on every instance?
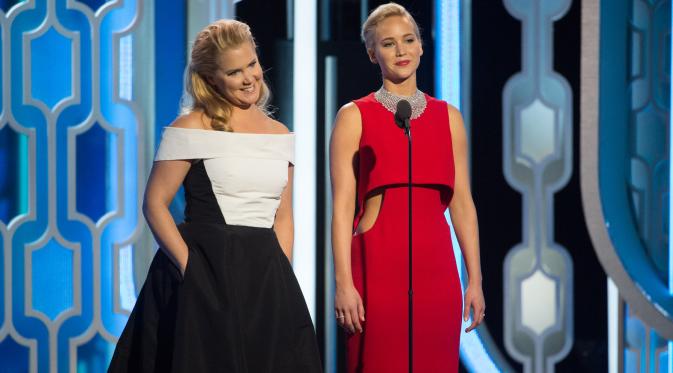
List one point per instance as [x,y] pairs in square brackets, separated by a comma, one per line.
[239,307]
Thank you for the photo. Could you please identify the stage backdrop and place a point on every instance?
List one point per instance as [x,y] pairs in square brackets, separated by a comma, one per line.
[567,107]
[76,140]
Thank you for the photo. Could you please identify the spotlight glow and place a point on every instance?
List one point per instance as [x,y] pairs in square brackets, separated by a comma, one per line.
[448,87]
[304,116]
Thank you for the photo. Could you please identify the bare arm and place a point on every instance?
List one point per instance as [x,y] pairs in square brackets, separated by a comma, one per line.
[284,222]
[343,149]
[164,181]
[464,218]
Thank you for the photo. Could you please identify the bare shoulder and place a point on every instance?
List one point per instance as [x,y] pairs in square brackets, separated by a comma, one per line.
[454,113]
[349,112]
[455,119]
[277,127]
[193,120]
[348,119]
[347,128]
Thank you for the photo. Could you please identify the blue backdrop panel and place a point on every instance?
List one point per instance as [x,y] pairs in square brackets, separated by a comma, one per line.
[70,180]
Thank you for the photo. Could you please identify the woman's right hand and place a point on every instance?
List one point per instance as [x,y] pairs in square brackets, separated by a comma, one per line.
[350,312]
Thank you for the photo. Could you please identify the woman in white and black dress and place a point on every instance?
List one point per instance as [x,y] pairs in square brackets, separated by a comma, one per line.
[220,295]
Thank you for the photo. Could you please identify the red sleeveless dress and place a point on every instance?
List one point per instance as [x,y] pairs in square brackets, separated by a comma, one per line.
[380,255]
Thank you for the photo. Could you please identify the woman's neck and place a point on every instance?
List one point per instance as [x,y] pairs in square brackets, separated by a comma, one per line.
[243,111]
[405,87]
[245,119]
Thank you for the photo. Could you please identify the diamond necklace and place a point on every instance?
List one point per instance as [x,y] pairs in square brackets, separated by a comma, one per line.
[390,100]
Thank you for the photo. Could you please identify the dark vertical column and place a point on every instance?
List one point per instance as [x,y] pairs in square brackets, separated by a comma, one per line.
[170,58]
[170,28]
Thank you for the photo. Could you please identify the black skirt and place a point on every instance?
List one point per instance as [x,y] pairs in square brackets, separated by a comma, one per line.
[238,309]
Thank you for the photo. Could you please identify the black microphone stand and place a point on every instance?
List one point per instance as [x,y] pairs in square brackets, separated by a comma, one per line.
[402,119]
[407,131]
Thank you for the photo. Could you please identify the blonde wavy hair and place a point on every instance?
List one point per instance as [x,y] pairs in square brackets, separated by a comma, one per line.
[378,15]
[210,43]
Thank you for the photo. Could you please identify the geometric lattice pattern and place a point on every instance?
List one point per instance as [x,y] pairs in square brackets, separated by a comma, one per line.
[70,140]
[537,162]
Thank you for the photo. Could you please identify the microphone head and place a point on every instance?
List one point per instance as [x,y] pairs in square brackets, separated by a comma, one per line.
[403,113]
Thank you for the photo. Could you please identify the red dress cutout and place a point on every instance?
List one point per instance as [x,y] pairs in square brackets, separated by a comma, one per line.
[380,255]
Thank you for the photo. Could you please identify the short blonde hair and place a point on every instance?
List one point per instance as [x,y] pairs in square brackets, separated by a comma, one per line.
[214,39]
[381,13]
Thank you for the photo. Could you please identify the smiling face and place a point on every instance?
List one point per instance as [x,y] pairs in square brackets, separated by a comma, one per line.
[396,48]
[239,77]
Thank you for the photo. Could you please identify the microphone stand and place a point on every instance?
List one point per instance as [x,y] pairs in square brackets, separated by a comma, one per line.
[407,132]
[403,119]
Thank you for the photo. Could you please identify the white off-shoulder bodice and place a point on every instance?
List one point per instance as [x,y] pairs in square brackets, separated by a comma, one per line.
[247,172]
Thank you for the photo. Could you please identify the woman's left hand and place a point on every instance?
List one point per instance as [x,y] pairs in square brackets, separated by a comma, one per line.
[474,298]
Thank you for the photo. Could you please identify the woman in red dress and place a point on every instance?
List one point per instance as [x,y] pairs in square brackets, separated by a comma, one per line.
[369,176]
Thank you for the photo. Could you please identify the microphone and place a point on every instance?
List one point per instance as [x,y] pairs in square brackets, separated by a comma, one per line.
[403,114]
